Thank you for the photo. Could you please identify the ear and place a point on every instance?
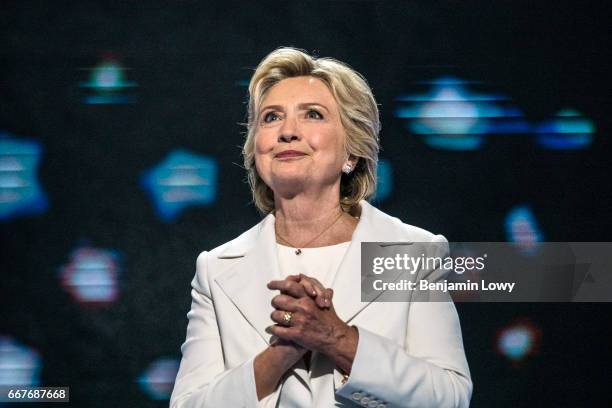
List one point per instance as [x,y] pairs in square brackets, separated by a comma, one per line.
[352,160]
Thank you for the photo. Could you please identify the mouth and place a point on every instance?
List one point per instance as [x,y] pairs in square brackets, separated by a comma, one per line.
[288,154]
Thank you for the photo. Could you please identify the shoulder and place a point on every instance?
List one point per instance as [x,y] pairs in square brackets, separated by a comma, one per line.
[382,227]
[386,227]
[238,246]
[207,261]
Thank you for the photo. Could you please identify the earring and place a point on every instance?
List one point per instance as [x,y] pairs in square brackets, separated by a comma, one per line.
[347,168]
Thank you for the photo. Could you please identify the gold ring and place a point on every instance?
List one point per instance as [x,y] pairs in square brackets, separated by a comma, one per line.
[287,316]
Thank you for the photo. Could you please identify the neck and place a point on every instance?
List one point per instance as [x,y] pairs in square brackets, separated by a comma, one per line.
[301,217]
[304,211]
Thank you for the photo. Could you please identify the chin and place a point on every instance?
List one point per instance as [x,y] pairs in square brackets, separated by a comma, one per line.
[288,180]
[289,177]
[289,170]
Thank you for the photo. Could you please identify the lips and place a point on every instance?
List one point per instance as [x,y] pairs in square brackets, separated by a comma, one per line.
[289,153]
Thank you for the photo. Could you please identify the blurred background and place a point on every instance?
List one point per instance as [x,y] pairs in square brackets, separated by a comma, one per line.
[120,161]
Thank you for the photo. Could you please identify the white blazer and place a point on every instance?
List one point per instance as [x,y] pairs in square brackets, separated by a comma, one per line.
[409,354]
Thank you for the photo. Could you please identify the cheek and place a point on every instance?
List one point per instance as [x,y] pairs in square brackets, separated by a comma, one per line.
[330,144]
[263,168]
[260,143]
[265,140]
[262,146]
[324,139]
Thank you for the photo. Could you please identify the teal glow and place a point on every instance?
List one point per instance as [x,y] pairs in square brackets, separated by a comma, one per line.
[568,130]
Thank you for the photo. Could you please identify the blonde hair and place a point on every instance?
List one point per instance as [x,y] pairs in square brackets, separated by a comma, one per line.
[358,115]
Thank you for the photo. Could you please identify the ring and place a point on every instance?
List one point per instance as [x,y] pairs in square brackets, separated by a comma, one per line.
[287,316]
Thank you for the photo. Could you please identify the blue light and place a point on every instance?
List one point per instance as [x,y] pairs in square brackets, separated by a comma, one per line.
[108,75]
[522,228]
[515,343]
[109,99]
[182,179]
[384,185]
[519,340]
[19,365]
[157,380]
[20,191]
[107,82]
[569,130]
[451,116]
[91,276]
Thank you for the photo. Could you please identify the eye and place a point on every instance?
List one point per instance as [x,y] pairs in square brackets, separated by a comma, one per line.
[313,114]
[270,117]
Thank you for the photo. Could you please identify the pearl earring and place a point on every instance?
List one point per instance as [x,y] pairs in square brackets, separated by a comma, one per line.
[347,168]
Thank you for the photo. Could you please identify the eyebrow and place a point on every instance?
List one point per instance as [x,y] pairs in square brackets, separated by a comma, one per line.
[300,106]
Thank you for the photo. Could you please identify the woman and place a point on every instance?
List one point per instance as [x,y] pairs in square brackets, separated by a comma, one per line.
[276,316]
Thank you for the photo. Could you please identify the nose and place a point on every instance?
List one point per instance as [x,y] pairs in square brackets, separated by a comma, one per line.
[289,130]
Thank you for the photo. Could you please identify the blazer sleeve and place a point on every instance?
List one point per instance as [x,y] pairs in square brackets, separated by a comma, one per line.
[202,380]
[431,370]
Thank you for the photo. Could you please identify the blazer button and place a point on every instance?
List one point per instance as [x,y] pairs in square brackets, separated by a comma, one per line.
[381,406]
[364,401]
[373,404]
[356,396]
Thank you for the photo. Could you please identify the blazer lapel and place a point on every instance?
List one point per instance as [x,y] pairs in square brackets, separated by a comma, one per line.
[373,226]
[245,283]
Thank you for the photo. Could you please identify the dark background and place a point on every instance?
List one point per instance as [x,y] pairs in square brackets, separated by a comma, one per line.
[187,58]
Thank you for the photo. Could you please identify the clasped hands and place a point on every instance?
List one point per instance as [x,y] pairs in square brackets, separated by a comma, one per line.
[314,324]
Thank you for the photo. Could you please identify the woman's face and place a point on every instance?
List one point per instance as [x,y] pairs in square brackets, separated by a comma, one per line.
[299,141]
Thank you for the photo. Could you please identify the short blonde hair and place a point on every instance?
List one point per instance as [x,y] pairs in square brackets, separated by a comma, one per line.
[358,115]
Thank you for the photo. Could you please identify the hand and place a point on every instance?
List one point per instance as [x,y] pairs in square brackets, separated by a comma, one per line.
[309,287]
[298,286]
[272,363]
[281,354]
[314,328]
[292,351]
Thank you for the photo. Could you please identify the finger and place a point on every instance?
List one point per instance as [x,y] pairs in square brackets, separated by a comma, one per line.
[285,302]
[278,316]
[314,288]
[309,287]
[282,332]
[295,278]
[315,280]
[321,299]
[312,282]
[329,294]
[277,341]
[288,287]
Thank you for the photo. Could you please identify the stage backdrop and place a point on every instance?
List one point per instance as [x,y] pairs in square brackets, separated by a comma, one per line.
[120,136]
